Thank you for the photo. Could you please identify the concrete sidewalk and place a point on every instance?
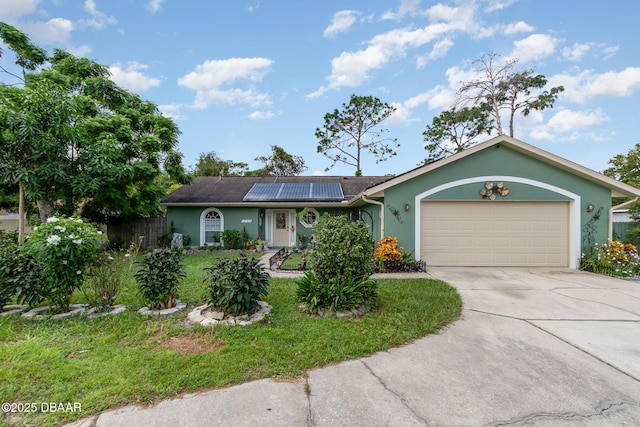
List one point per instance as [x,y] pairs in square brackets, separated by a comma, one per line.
[544,347]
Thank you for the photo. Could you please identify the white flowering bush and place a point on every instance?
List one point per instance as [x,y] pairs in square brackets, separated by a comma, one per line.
[65,247]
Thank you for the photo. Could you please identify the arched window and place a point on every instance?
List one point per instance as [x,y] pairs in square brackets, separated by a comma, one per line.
[211,227]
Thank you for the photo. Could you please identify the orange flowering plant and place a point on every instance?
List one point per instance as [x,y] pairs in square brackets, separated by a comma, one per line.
[388,250]
[613,259]
[391,257]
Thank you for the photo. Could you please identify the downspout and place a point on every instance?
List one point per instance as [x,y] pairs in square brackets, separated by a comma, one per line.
[375,202]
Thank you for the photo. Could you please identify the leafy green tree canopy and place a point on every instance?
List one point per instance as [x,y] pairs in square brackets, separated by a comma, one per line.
[350,131]
[455,130]
[209,164]
[281,163]
[81,144]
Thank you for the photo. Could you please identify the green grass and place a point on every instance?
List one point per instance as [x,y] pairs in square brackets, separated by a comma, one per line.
[292,261]
[109,362]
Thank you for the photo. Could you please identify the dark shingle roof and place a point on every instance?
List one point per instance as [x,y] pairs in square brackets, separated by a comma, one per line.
[232,189]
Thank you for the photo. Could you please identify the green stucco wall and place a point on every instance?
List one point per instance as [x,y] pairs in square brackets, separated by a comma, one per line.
[186,220]
[497,161]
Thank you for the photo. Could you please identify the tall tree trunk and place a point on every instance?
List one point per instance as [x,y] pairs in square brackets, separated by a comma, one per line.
[21,216]
[46,209]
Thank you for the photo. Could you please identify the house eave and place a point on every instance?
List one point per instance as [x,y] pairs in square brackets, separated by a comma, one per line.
[269,205]
[618,189]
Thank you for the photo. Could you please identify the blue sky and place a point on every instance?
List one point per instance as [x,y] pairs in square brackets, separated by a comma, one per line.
[240,76]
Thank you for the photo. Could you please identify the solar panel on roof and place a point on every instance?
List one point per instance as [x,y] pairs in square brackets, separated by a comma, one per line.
[327,190]
[294,191]
[262,192]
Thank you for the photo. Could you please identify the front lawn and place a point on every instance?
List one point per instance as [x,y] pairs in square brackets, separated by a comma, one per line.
[113,361]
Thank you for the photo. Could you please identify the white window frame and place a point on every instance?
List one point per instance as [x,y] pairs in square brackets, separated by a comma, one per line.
[309,225]
[203,230]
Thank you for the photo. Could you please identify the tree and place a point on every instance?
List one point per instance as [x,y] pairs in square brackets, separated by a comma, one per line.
[281,163]
[455,130]
[28,57]
[209,164]
[626,168]
[499,88]
[347,133]
[81,143]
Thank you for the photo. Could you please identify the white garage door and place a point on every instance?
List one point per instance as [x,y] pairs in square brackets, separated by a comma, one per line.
[486,233]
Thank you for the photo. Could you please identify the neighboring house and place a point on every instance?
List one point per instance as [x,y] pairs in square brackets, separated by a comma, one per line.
[500,203]
[621,220]
[9,222]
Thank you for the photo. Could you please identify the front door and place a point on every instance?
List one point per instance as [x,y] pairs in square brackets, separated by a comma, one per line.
[281,228]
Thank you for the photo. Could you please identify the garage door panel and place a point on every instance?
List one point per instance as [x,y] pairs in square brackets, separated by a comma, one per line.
[487,233]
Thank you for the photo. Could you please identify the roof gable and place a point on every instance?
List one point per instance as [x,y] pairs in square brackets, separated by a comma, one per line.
[618,189]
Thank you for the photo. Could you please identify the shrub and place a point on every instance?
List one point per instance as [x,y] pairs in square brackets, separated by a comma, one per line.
[159,276]
[106,276]
[235,285]
[64,247]
[391,257]
[341,293]
[231,239]
[388,250]
[21,277]
[341,248]
[339,266]
[613,259]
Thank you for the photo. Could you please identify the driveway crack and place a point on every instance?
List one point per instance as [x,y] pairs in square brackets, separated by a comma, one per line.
[601,411]
[307,392]
[399,396]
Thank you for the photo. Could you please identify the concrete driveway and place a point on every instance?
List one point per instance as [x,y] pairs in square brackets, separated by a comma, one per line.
[543,347]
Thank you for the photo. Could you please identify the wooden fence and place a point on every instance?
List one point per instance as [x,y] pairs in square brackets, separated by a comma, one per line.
[144,231]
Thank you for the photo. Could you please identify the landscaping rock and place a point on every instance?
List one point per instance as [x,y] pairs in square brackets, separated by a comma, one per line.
[323,312]
[8,310]
[116,309]
[206,317]
[40,312]
[165,312]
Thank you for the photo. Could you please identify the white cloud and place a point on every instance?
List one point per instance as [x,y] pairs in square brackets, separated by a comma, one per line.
[577,51]
[99,20]
[407,7]
[261,115]
[56,30]
[154,6]
[82,50]
[569,124]
[586,85]
[350,69]
[131,77]
[499,4]
[13,9]
[173,111]
[252,9]
[518,27]
[534,47]
[609,51]
[439,50]
[208,78]
[342,21]
[438,98]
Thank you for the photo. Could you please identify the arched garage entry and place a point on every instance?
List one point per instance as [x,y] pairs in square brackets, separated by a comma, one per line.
[498,233]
